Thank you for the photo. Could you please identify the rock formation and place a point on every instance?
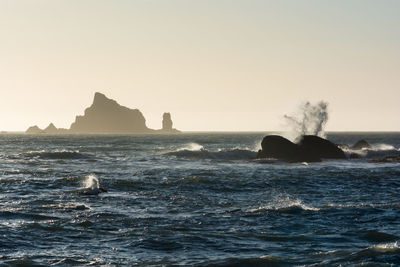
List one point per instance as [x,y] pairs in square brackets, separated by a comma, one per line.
[361,145]
[34,130]
[167,124]
[51,129]
[107,116]
[310,149]
[315,146]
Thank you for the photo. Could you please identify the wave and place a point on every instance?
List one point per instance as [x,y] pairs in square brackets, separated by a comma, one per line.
[376,151]
[191,147]
[56,154]
[235,154]
[285,204]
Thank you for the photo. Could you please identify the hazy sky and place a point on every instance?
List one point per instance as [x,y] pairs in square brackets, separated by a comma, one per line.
[214,64]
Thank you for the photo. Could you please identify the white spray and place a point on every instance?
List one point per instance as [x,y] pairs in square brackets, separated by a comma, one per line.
[309,120]
[91,182]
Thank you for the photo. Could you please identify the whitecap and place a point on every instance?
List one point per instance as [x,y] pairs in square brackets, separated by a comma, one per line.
[282,202]
[191,147]
[91,186]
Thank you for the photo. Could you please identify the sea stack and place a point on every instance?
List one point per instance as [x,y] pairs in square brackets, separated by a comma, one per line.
[167,124]
[107,116]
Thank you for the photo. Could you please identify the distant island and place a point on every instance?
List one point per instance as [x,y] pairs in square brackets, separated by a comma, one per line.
[107,116]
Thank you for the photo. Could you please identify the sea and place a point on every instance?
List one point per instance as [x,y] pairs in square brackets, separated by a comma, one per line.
[195,199]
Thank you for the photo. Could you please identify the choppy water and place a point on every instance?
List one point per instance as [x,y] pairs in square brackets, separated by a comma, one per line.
[194,199]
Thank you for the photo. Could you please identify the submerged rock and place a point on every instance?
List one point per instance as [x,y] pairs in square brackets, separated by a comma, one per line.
[310,149]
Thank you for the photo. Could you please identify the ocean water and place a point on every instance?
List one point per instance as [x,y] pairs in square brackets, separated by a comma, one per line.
[194,199]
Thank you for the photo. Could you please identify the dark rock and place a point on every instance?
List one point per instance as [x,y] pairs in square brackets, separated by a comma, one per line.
[316,147]
[309,149]
[34,130]
[275,146]
[361,145]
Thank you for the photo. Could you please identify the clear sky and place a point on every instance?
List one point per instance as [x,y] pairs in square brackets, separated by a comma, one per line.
[214,64]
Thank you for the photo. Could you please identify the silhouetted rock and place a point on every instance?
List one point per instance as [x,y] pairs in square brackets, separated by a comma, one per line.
[361,145]
[107,116]
[315,146]
[167,122]
[310,149]
[34,130]
[275,146]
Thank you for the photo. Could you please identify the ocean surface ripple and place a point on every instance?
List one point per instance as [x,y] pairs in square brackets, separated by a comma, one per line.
[197,199]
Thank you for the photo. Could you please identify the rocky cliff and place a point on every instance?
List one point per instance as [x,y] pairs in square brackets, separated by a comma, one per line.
[107,116]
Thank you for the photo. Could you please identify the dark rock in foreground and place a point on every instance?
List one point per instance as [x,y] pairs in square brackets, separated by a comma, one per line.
[316,147]
[310,149]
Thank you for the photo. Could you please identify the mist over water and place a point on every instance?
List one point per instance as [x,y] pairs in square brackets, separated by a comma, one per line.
[309,119]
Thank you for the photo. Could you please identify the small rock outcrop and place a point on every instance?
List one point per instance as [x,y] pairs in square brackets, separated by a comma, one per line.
[362,144]
[310,149]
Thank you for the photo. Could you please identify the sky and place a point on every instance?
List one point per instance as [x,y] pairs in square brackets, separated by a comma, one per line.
[216,65]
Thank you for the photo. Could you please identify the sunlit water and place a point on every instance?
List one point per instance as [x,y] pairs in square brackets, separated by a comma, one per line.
[193,199]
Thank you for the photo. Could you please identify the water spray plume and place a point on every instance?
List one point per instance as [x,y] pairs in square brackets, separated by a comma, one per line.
[310,119]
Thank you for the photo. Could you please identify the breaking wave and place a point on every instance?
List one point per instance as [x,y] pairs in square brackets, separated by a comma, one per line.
[285,204]
[191,147]
[376,151]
